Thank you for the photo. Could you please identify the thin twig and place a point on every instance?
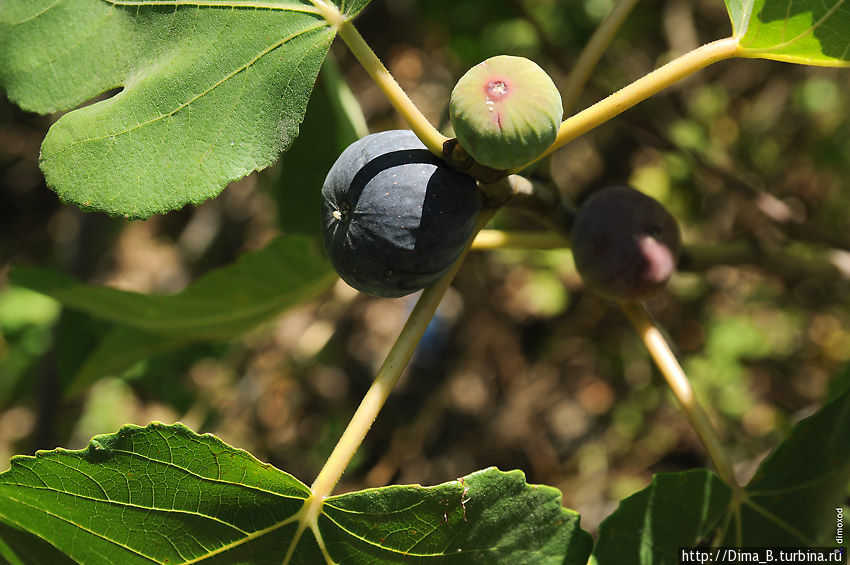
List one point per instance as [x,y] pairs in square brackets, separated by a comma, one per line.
[417,121]
[498,239]
[788,267]
[593,51]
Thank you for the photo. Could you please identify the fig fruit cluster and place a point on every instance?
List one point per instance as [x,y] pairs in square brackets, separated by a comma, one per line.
[505,112]
[395,217]
[625,244]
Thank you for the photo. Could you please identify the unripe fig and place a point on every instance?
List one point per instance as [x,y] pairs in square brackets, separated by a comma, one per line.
[395,217]
[505,111]
[625,244]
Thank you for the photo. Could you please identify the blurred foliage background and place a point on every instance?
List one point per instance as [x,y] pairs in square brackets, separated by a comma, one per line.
[522,368]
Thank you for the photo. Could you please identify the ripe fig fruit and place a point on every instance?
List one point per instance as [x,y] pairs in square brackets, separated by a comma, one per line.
[625,244]
[395,217]
[505,111]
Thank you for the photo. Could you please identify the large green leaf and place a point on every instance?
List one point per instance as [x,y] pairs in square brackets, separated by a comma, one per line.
[487,517]
[791,500]
[210,91]
[811,32]
[163,494]
[222,304]
[676,510]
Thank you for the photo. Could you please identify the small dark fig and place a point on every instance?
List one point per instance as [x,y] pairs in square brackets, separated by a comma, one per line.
[625,244]
[395,217]
[505,111]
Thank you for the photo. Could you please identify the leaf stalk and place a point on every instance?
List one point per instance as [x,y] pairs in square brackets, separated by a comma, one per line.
[593,51]
[640,90]
[682,390]
[411,114]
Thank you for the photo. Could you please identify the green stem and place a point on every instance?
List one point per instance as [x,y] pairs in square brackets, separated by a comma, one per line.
[387,377]
[641,89]
[498,239]
[373,401]
[682,390]
[417,121]
[593,51]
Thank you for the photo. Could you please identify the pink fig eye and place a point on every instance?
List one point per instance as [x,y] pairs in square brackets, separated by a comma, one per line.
[505,112]
[497,89]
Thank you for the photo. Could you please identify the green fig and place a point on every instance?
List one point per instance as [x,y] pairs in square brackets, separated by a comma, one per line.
[505,111]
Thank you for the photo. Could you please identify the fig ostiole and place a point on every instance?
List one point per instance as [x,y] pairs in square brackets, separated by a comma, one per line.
[395,217]
[505,111]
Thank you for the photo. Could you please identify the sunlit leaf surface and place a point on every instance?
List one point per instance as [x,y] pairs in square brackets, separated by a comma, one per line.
[163,494]
[198,93]
[812,32]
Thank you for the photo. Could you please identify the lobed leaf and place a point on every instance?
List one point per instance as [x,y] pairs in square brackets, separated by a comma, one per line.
[163,494]
[486,517]
[221,305]
[157,494]
[118,351]
[209,91]
[811,32]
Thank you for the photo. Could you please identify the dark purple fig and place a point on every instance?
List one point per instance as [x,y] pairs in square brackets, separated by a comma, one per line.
[395,217]
[505,111]
[625,244]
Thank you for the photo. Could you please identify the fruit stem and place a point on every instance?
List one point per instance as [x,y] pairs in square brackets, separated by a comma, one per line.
[542,200]
[387,376]
[593,51]
[417,121]
[640,90]
[681,387]
[498,239]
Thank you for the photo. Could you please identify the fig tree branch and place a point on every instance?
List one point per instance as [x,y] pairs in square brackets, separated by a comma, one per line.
[782,264]
[593,51]
[498,239]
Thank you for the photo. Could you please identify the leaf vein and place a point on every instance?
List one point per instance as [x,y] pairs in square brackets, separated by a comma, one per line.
[78,526]
[38,15]
[800,36]
[209,479]
[126,504]
[217,4]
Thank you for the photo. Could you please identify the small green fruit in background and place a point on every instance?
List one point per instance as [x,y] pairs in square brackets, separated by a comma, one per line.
[505,111]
